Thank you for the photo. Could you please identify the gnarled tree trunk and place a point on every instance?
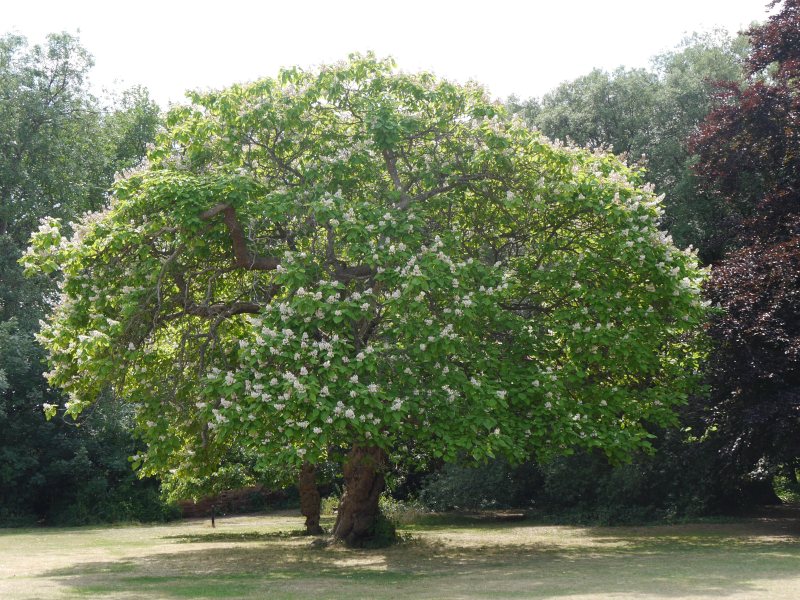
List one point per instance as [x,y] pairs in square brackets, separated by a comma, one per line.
[310,499]
[363,483]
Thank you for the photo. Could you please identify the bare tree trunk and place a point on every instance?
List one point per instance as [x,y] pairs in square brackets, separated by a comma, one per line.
[363,483]
[310,499]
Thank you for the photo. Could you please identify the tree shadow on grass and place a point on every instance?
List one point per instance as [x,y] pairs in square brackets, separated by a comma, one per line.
[714,561]
[243,536]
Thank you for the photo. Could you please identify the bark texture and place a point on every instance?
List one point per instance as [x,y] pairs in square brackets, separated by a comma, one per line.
[310,499]
[363,483]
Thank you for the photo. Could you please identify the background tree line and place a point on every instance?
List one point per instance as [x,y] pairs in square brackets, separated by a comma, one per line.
[60,147]
[715,122]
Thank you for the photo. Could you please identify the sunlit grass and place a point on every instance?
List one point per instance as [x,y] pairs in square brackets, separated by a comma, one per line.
[268,557]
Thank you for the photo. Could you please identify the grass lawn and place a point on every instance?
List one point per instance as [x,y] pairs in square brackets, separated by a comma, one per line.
[263,557]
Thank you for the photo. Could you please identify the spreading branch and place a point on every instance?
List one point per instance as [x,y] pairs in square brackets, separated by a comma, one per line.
[223,310]
[391,165]
[243,257]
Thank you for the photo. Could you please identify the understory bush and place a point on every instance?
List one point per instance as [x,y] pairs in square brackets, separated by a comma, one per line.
[401,512]
[681,480]
[493,485]
[80,475]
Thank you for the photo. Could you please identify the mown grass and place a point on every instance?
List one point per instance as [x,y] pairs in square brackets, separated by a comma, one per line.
[267,557]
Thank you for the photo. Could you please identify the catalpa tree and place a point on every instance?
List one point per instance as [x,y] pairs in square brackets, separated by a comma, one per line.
[359,262]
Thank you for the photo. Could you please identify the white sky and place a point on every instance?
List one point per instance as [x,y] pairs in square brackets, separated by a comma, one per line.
[513,47]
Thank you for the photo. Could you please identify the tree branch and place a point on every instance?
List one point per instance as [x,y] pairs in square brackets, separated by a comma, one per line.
[243,258]
[463,179]
[391,165]
[223,310]
[343,272]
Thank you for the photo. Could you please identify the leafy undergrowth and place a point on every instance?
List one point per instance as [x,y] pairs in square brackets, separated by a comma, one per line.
[787,491]
[447,557]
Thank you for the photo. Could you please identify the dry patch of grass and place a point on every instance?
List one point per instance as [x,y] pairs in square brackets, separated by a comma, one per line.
[266,557]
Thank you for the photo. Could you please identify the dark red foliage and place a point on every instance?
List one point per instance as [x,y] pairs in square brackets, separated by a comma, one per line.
[777,41]
[755,366]
[759,334]
[749,155]
[749,146]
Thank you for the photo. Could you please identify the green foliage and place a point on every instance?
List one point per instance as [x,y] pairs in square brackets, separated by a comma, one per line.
[676,483]
[61,148]
[715,121]
[236,471]
[62,475]
[787,489]
[495,484]
[355,256]
[647,115]
[614,109]
[668,486]
[330,505]
[59,151]
[401,512]
[382,534]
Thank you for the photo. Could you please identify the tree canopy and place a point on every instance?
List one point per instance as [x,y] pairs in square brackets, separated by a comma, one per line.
[647,115]
[748,151]
[357,258]
[59,150]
